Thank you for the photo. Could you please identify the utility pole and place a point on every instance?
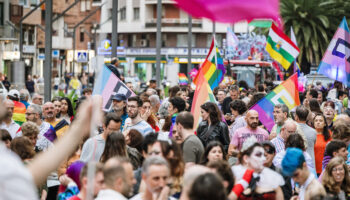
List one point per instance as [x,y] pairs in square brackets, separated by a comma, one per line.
[214,27]
[114,28]
[189,40]
[48,50]
[158,40]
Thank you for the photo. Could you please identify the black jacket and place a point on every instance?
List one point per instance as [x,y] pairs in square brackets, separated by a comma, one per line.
[219,133]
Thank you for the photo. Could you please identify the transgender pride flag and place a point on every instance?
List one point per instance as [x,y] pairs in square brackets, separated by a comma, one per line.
[335,63]
[107,85]
[286,93]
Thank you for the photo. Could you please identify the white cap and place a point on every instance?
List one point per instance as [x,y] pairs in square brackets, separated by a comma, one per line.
[13,93]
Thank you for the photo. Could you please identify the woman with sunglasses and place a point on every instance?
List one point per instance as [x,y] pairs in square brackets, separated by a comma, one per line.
[336,179]
[265,183]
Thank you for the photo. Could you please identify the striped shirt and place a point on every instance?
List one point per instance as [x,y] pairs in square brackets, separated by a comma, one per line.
[279,143]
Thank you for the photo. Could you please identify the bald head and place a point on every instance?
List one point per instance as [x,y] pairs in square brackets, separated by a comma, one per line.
[190,176]
[289,127]
[9,106]
[343,117]
[252,119]
[49,111]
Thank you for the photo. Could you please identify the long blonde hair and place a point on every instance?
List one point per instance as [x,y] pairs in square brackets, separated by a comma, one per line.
[328,180]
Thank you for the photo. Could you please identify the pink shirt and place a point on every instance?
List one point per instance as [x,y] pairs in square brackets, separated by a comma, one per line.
[241,134]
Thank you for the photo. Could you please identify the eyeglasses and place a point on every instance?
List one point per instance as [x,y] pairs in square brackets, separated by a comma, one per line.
[338,169]
[133,107]
[30,113]
[269,150]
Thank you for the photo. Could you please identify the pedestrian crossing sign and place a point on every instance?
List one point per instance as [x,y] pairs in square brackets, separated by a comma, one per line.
[82,57]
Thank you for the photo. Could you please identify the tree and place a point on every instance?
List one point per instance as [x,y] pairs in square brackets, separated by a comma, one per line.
[314,23]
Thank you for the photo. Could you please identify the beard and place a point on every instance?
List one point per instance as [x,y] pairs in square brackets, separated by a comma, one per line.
[254,125]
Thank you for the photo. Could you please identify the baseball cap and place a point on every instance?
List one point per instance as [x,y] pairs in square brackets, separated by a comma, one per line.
[13,93]
[293,159]
[119,97]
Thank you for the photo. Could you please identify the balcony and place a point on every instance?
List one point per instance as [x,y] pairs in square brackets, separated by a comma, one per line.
[175,22]
[163,2]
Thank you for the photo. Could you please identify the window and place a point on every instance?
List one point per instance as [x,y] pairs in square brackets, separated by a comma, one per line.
[218,39]
[136,13]
[24,3]
[31,37]
[82,6]
[82,34]
[182,40]
[16,11]
[34,2]
[1,14]
[123,13]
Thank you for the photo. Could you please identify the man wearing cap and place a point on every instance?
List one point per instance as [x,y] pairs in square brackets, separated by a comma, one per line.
[294,165]
[119,107]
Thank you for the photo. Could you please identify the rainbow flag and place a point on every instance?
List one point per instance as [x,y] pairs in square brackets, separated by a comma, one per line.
[335,63]
[213,68]
[183,80]
[202,94]
[19,113]
[107,85]
[281,48]
[286,93]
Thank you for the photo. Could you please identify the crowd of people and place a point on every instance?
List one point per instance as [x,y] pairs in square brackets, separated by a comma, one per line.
[147,146]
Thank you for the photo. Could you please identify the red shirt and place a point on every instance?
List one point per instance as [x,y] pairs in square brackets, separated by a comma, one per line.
[74,198]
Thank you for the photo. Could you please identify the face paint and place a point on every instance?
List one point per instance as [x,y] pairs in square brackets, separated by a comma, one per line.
[257,158]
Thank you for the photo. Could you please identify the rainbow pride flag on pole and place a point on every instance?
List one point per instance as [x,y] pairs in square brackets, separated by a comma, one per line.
[286,93]
[107,85]
[202,94]
[19,112]
[183,80]
[213,68]
[280,47]
[335,63]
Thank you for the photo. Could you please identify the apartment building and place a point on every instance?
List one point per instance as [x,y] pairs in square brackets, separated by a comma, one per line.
[137,37]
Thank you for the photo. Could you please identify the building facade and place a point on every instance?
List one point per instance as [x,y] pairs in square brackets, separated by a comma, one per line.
[137,20]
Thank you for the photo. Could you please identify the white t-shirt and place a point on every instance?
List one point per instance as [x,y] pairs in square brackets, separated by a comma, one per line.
[15,180]
[268,178]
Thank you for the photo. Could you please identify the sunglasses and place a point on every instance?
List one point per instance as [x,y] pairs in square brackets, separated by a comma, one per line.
[269,150]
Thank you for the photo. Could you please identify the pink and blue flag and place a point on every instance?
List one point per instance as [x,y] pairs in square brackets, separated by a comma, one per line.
[286,93]
[335,63]
[107,85]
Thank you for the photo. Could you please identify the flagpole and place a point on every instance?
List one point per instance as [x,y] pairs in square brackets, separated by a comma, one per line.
[216,59]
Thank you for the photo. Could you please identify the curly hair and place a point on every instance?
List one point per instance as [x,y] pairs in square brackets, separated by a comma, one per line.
[30,129]
[23,147]
[341,130]
[328,180]
[295,140]
[70,110]
[214,112]
[239,106]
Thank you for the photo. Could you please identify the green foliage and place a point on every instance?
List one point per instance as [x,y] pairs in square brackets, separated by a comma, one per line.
[314,23]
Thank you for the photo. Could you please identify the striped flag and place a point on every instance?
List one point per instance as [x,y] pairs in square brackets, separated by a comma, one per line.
[286,93]
[183,80]
[335,63]
[107,85]
[213,68]
[19,111]
[202,94]
[281,48]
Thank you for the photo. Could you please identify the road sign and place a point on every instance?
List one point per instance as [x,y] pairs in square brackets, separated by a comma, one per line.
[82,57]
[55,53]
[41,56]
